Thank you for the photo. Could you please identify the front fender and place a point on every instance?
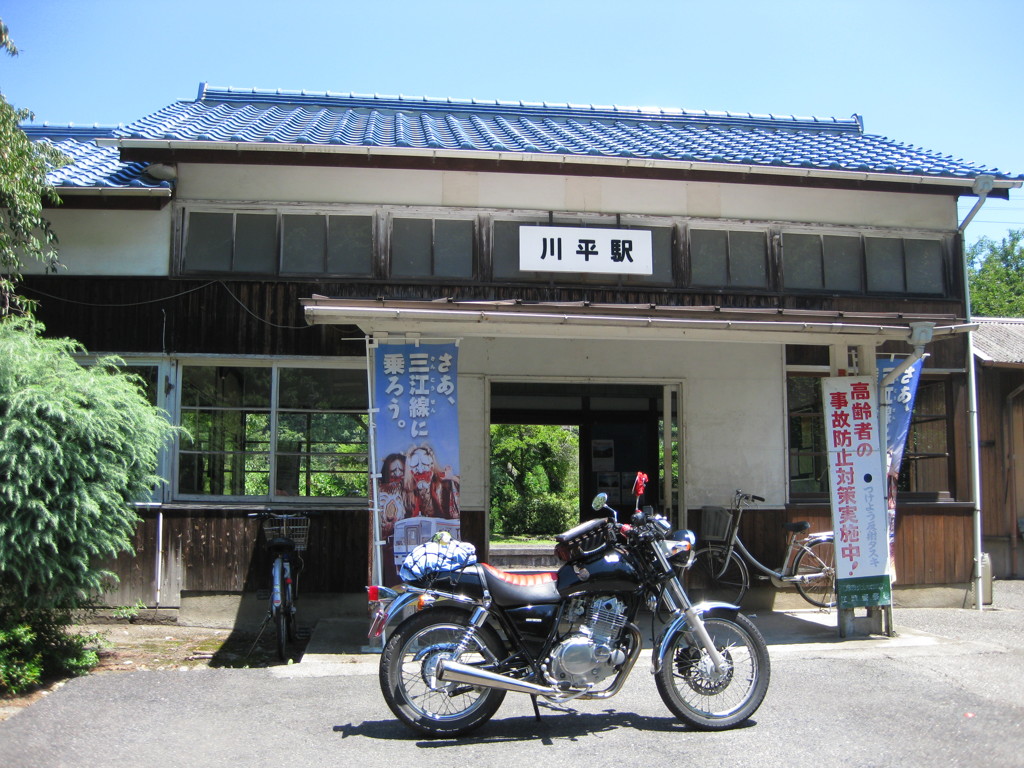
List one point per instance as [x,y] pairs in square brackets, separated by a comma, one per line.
[708,608]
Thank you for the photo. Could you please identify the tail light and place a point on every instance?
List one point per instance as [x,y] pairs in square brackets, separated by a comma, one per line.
[375,593]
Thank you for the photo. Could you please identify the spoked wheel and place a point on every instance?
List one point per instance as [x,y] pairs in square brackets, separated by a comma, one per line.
[408,674]
[709,699]
[280,611]
[707,580]
[816,567]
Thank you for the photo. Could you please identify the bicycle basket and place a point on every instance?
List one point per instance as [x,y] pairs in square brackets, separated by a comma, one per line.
[294,527]
[715,523]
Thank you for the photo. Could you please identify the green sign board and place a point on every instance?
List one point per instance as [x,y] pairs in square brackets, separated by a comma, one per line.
[864,592]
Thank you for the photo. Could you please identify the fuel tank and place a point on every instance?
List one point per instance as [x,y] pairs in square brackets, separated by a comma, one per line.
[608,571]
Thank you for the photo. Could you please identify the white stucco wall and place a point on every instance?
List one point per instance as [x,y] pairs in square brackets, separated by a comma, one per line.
[733,412]
[111,242]
[739,202]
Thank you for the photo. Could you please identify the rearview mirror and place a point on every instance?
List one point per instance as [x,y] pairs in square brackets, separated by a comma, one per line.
[600,501]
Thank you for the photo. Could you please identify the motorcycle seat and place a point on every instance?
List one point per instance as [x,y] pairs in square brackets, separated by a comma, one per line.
[509,588]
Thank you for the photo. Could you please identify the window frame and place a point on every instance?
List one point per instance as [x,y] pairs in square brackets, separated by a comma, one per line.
[863,234]
[486,267]
[275,364]
[728,227]
[182,226]
[388,215]
[931,377]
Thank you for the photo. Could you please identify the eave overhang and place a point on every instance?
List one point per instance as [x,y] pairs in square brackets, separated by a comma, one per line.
[255,153]
[128,198]
[614,322]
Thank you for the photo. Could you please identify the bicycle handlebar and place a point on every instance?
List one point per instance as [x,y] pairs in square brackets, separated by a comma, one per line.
[741,496]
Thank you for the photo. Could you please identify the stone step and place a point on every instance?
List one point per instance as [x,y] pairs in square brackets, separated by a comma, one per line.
[511,557]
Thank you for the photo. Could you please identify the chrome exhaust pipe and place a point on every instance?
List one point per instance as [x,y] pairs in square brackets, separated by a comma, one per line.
[449,671]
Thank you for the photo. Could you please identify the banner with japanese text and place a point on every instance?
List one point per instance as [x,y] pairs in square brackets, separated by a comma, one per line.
[415,401]
[899,398]
[857,485]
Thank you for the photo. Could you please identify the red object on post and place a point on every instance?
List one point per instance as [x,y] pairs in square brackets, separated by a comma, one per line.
[639,484]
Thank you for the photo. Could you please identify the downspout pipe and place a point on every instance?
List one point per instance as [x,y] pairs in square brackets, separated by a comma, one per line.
[982,186]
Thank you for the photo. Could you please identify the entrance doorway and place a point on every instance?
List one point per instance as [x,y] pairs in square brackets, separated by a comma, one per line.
[623,429]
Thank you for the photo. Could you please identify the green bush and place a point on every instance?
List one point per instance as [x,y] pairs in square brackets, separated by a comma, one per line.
[21,664]
[78,447]
[37,646]
[544,515]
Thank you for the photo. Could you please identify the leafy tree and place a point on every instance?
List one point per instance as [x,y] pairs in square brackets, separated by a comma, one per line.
[24,232]
[77,447]
[532,468]
[996,275]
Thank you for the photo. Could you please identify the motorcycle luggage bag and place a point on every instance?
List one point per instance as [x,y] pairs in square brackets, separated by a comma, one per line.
[584,540]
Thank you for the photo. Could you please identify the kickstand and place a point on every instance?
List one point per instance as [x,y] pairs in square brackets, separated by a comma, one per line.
[536,709]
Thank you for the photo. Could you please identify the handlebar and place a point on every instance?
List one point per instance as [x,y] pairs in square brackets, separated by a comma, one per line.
[747,497]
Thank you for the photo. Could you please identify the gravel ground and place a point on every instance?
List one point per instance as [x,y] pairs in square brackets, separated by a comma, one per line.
[127,647]
[1002,622]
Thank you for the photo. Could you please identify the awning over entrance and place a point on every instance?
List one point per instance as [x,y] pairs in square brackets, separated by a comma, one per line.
[647,322]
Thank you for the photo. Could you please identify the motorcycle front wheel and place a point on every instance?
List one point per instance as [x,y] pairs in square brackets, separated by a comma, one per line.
[408,669]
[702,696]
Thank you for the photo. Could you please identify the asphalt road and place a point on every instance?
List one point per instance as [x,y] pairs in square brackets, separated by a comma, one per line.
[948,690]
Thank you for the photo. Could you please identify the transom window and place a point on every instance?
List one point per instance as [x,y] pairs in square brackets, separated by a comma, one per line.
[409,244]
[278,244]
[432,247]
[720,257]
[855,264]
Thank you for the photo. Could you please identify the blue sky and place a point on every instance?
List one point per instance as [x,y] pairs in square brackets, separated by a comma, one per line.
[945,75]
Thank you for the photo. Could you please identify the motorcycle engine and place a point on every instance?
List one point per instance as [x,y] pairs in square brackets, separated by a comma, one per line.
[590,652]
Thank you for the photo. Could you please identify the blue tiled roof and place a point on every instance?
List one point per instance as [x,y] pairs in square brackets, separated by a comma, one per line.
[353,120]
[91,165]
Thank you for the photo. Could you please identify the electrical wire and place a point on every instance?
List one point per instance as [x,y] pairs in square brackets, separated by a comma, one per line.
[169,298]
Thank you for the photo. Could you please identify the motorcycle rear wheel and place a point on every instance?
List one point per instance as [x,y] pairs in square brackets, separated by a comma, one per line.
[704,698]
[409,663]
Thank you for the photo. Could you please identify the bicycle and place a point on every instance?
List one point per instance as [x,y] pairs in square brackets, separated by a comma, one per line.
[719,570]
[286,535]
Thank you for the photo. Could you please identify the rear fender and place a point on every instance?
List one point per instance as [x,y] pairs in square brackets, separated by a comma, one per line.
[386,612]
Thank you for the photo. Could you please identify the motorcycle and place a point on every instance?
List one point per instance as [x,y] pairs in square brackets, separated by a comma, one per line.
[478,632]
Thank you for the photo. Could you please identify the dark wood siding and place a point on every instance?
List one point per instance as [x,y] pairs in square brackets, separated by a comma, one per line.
[933,541]
[239,317]
[222,550]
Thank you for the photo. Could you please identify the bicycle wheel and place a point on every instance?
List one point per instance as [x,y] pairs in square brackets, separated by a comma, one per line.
[408,668]
[699,694]
[280,611]
[707,580]
[816,569]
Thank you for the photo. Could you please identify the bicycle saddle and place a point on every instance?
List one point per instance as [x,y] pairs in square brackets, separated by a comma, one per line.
[796,527]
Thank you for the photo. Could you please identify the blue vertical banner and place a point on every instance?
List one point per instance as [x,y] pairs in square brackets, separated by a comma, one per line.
[897,400]
[417,433]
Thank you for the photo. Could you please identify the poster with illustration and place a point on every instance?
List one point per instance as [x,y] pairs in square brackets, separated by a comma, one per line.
[415,406]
